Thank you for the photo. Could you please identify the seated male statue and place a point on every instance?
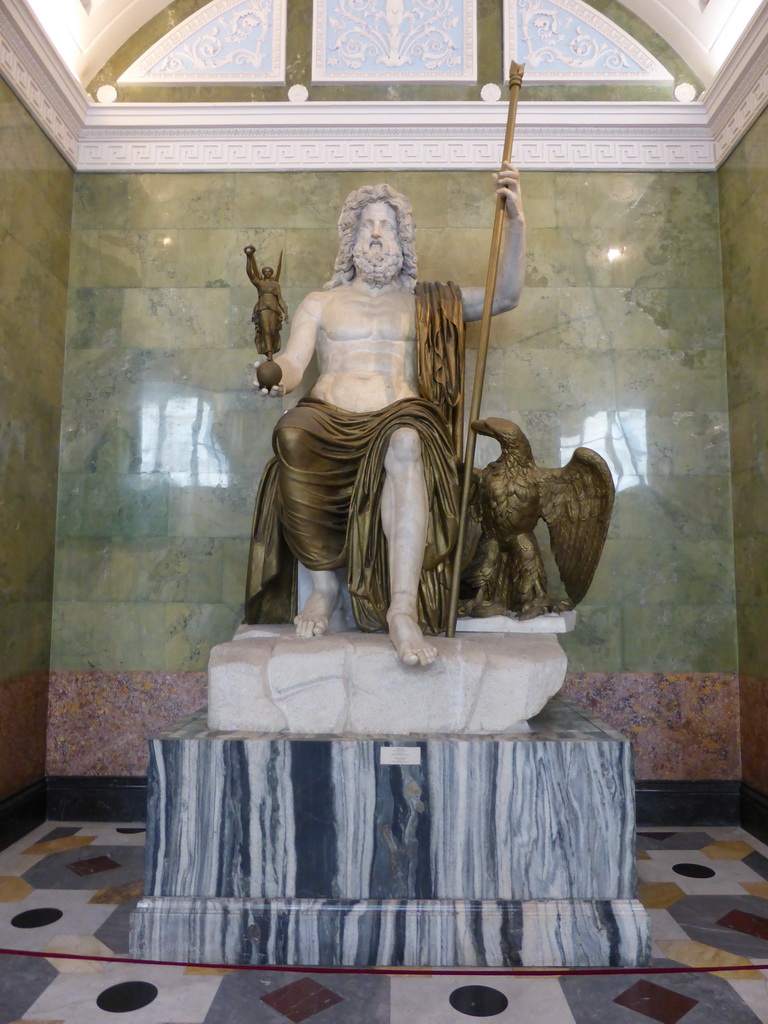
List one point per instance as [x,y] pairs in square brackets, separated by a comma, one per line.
[365,468]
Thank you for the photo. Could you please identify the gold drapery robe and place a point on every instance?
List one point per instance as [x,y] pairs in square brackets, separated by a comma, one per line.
[320,496]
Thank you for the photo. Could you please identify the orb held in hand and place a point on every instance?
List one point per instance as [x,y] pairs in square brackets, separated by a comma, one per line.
[269,374]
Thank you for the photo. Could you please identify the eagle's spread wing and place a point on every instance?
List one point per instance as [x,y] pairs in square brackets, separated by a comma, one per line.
[576,504]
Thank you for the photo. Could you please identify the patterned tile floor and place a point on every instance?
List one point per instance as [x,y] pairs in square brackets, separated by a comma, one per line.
[70,888]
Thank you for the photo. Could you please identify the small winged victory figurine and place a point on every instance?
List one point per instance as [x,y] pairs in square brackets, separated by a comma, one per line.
[269,311]
[506,572]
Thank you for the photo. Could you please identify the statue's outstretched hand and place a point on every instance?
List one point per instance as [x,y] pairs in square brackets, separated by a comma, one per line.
[278,391]
[508,186]
[267,379]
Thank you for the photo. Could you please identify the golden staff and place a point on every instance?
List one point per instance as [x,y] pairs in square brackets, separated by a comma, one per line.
[515,82]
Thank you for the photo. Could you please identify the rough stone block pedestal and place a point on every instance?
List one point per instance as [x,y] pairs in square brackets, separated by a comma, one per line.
[497,850]
[482,683]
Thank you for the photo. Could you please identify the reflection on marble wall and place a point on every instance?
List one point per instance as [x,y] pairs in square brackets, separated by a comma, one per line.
[618,344]
[743,183]
[35,213]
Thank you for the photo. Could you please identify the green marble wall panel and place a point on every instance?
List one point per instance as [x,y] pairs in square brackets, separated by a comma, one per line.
[35,213]
[618,342]
[743,181]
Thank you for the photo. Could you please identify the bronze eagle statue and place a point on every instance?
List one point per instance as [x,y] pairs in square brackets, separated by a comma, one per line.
[504,572]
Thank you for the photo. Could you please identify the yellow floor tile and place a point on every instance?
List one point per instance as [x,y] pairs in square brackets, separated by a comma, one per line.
[58,845]
[13,889]
[212,972]
[759,889]
[119,893]
[80,945]
[697,954]
[658,895]
[728,849]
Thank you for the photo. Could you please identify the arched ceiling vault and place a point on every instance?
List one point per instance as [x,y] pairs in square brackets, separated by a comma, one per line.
[87,33]
[50,49]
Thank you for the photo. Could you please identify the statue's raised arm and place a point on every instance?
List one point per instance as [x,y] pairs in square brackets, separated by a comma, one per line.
[511,274]
[251,266]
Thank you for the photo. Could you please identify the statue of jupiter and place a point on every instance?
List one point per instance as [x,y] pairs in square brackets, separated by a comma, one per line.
[365,469]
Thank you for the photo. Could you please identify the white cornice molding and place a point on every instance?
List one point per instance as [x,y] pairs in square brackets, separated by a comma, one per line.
[463,113]
[740,92]
[341,136]
[335,136]
[614,148]
[36,73]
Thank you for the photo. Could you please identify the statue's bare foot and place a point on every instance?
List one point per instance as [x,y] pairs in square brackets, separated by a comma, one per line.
[314,617]
[410,644]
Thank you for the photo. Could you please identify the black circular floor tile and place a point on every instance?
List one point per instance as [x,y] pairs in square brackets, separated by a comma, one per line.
[478,1001]
[37,918]
[130,831]
[127,996]
[693,870]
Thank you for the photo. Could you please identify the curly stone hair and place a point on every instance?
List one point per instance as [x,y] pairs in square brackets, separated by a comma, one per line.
[355,203]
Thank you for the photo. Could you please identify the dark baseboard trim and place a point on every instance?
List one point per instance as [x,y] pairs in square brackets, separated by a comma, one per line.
[124,798]
[673,803]
[754,812]
[97,797]
[22,812]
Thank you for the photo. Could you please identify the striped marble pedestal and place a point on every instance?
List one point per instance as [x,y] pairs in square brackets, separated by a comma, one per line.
[452,851]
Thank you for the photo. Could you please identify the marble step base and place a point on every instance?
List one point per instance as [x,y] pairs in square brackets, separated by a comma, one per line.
[389,933]
[548,814]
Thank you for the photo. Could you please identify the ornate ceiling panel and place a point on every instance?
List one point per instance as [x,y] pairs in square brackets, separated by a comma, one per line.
[569,41]
[225,41]
[394,40]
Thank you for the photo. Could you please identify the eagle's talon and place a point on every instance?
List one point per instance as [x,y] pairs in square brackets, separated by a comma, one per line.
[479,609]
[544,606]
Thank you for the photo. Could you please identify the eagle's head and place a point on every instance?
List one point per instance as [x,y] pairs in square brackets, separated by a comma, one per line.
[514,443]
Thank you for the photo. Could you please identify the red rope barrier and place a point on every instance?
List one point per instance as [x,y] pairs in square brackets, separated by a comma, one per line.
[518,972]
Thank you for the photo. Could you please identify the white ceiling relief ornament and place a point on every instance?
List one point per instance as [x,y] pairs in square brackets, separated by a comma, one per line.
[394,40]
[569,41]
[225,41]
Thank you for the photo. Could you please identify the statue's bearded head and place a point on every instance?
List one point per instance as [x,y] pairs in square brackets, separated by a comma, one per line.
[376,239]
[377,254]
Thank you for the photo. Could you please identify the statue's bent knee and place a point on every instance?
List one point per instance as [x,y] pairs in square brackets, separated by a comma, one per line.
[404,446]
[290,443]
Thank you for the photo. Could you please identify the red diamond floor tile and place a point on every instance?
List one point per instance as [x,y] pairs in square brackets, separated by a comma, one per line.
[93,866]
[301,999]
[747,924]
[657,1003]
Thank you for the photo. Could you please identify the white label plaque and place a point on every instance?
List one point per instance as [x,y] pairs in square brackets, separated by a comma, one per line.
[401,755]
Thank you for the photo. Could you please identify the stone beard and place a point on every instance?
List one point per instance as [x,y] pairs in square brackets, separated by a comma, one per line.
[378,267]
